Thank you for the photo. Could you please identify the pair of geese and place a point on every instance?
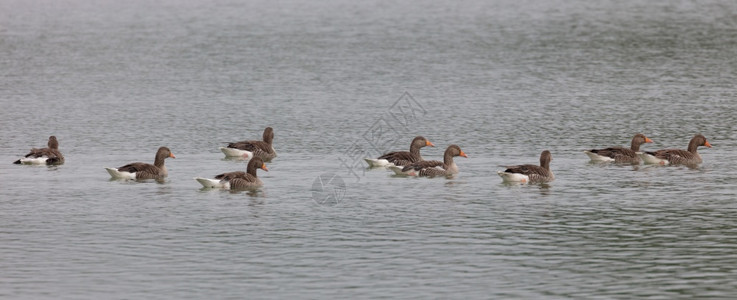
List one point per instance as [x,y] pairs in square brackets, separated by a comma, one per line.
[411,163]
[255,151]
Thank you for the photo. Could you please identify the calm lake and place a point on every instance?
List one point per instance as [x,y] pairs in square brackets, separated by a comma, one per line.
[340,80]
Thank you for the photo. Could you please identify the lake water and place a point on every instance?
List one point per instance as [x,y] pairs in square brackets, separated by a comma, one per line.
[114,80]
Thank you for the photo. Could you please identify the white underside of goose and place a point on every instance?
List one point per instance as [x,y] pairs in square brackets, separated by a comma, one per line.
[34,161]
[651,159]
[397,170]
[378,163]
[213,183]
[411,172]
[513,177]
[232,152]
[597,157]
[120,175]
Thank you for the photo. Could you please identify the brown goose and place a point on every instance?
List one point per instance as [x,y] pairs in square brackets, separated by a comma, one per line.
[620,154]
[48,156]
[401,158]
[238,179]
[432,168]
[530,173]
[677,156]
[261,149]
[139,170]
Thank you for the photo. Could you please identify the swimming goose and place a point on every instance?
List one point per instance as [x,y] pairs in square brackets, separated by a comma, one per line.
[262,149]
[238,179]
[432,168]
[401,158]
[530,173]
[139,170]
[620,154]
[48,156]
[677,156]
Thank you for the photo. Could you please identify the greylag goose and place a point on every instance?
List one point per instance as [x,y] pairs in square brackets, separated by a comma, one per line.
[620,154]
[139,170]
[48,156]
[432,168]
[238,179]
[677,156]
[401,158]
[530,173]
[261,149]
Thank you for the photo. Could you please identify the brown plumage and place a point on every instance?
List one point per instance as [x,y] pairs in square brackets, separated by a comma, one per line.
[432,168]
[403,158]
[534,173]
[148,171]
[621,154]
[54,157]
[262,149]
[690,156]
[244,180]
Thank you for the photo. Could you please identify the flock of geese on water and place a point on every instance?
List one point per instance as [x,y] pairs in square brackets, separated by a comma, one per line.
[407,163]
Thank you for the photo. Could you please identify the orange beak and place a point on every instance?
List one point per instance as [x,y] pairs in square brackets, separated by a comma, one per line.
[647,140]
[172,155]
[427,143]
[263,167]
[463,154]
[706,143]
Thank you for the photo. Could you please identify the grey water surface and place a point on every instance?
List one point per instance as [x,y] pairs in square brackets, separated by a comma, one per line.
[114,80]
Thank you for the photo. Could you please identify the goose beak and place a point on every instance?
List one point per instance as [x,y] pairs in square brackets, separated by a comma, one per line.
[706,143]
[263,167]
[172,155]
[463,154]
[427,143]
[647,140]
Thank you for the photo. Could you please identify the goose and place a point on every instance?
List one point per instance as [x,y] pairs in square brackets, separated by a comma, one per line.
[48,156]
[401,158]
[139,170]
[238,179]
[249,149]
[677,156]
[620,154]
[530,173]
[432,168]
